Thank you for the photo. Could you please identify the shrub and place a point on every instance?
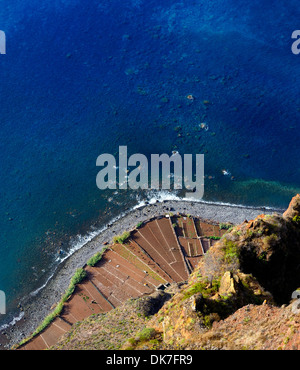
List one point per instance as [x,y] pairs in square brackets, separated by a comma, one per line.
[121,238]
[77,278]
[203,287]
[231,252]
[225,226]
[146,334]
[95,258]
[270,240]
[198,287]
[296,219]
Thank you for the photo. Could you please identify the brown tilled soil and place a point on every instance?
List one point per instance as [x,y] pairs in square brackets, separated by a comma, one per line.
[154,255]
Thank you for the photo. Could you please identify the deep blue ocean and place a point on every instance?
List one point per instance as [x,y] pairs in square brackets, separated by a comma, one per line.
[80,78]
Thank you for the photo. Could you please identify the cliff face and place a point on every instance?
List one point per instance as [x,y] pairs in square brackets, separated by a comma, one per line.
[238,297]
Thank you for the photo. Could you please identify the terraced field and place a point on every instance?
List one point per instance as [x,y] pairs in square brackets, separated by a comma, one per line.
[161,251]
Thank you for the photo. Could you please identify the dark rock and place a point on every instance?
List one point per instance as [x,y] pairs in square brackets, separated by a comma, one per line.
[151,304]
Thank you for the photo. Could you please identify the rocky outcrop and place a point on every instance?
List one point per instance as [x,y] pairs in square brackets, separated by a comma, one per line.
[267,247]
[229,284]
[255,327]
[150,305]
[254,265]
[293,209]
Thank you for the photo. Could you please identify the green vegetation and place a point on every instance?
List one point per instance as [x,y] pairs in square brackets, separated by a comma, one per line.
[139,224]
[77,278]
[210,318]
[224,226]
[198,287]
[79,275]
[270,240]
[296,219]
[231,251]
[147,334]
[121,239]
[247,319]
[96,258]
[203,287]
[263,256]
[213,237]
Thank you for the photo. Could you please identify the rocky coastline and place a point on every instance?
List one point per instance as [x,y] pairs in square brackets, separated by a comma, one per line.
[37,307]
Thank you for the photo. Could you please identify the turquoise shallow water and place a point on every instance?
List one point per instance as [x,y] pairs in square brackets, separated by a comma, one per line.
[79,80]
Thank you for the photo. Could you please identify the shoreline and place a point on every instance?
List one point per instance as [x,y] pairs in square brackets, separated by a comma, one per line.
[36,307]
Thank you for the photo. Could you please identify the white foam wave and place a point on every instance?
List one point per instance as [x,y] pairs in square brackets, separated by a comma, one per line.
[162,196]
[12,322]
[77,243]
